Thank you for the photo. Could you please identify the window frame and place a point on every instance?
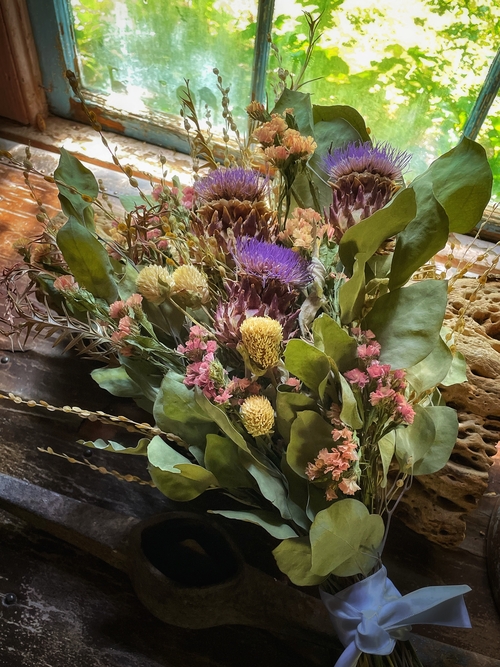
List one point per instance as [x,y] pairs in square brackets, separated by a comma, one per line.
[53,32]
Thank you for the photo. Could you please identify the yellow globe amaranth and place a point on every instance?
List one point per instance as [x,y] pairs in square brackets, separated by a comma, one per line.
[190,286]
[262,338]
[154,283]
[257,415]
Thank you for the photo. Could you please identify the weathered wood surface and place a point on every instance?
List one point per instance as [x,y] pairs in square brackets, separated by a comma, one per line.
[74,609]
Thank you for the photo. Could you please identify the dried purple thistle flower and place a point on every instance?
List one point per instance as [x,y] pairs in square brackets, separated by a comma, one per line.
[269,262]
[232,183]
[381,158]
[247,299]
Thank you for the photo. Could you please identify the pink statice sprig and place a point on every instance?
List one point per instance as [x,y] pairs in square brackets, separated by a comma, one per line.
[379,390]
[337,467]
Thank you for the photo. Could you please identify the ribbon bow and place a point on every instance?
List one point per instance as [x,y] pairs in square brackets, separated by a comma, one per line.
[371,615]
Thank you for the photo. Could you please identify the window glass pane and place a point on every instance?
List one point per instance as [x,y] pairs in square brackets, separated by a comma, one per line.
[413,69]
[138,52]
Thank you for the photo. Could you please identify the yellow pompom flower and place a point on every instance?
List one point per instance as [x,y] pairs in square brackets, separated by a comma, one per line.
[262,337]
[190,286]
[257,415]
[154,283]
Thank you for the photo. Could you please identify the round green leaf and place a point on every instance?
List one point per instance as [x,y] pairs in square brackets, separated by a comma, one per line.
[407,322]
[293,557]
[345,539]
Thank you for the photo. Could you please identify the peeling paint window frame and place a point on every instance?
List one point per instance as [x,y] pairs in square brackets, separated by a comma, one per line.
[53,31]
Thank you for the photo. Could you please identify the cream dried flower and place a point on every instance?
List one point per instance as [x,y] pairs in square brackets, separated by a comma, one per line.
[262,337]
[257,415]
[190,286]
[154,283]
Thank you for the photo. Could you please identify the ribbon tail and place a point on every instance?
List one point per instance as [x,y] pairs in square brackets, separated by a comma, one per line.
[349,657]
[450,610]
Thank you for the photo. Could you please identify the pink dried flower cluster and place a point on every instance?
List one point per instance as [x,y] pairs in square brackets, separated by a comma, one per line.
[299,229]
[383,388]
[204,371]
[119,309]
[281,143]
[198,344]
[66,283]
[207,373]
[335,465]
[125,311]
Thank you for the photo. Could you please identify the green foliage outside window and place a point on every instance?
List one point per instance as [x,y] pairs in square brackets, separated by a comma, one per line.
[412,70]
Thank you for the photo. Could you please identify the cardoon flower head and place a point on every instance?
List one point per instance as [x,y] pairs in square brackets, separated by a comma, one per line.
[364,178]
[269,262]
[248,299]
[232,183]
[381,158]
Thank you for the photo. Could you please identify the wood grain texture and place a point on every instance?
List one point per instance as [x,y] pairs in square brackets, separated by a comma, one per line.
[22,98]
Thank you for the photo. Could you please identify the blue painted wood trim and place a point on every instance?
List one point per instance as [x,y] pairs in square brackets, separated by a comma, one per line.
[485,99]
[262,47]
[52,27]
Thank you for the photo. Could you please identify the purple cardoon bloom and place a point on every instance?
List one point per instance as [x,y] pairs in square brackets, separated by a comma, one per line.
[233,183]
[269,262]
[381,159]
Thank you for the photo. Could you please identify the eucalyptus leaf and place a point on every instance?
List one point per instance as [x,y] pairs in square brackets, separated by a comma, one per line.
[223,458]
[188,484]
[293,557]
[87,260]
[461,180]
[365,238]
[348,114]
[457,372]
[302,109]
[386,447]
[423,237]
[350,412]
[335,342]
[174,475]
[273,488]
[432,370]
[144,374]
[407,322]
[266,520]
[163,456]
[73,179]
[176,410]
[414,441]
[116,381]
[345,539]
[288,404]
[308,364]
[309,434]
[446,431]
[360,243]
[219,417]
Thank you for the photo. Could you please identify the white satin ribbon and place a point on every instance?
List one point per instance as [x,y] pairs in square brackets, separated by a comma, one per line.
[371,615]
